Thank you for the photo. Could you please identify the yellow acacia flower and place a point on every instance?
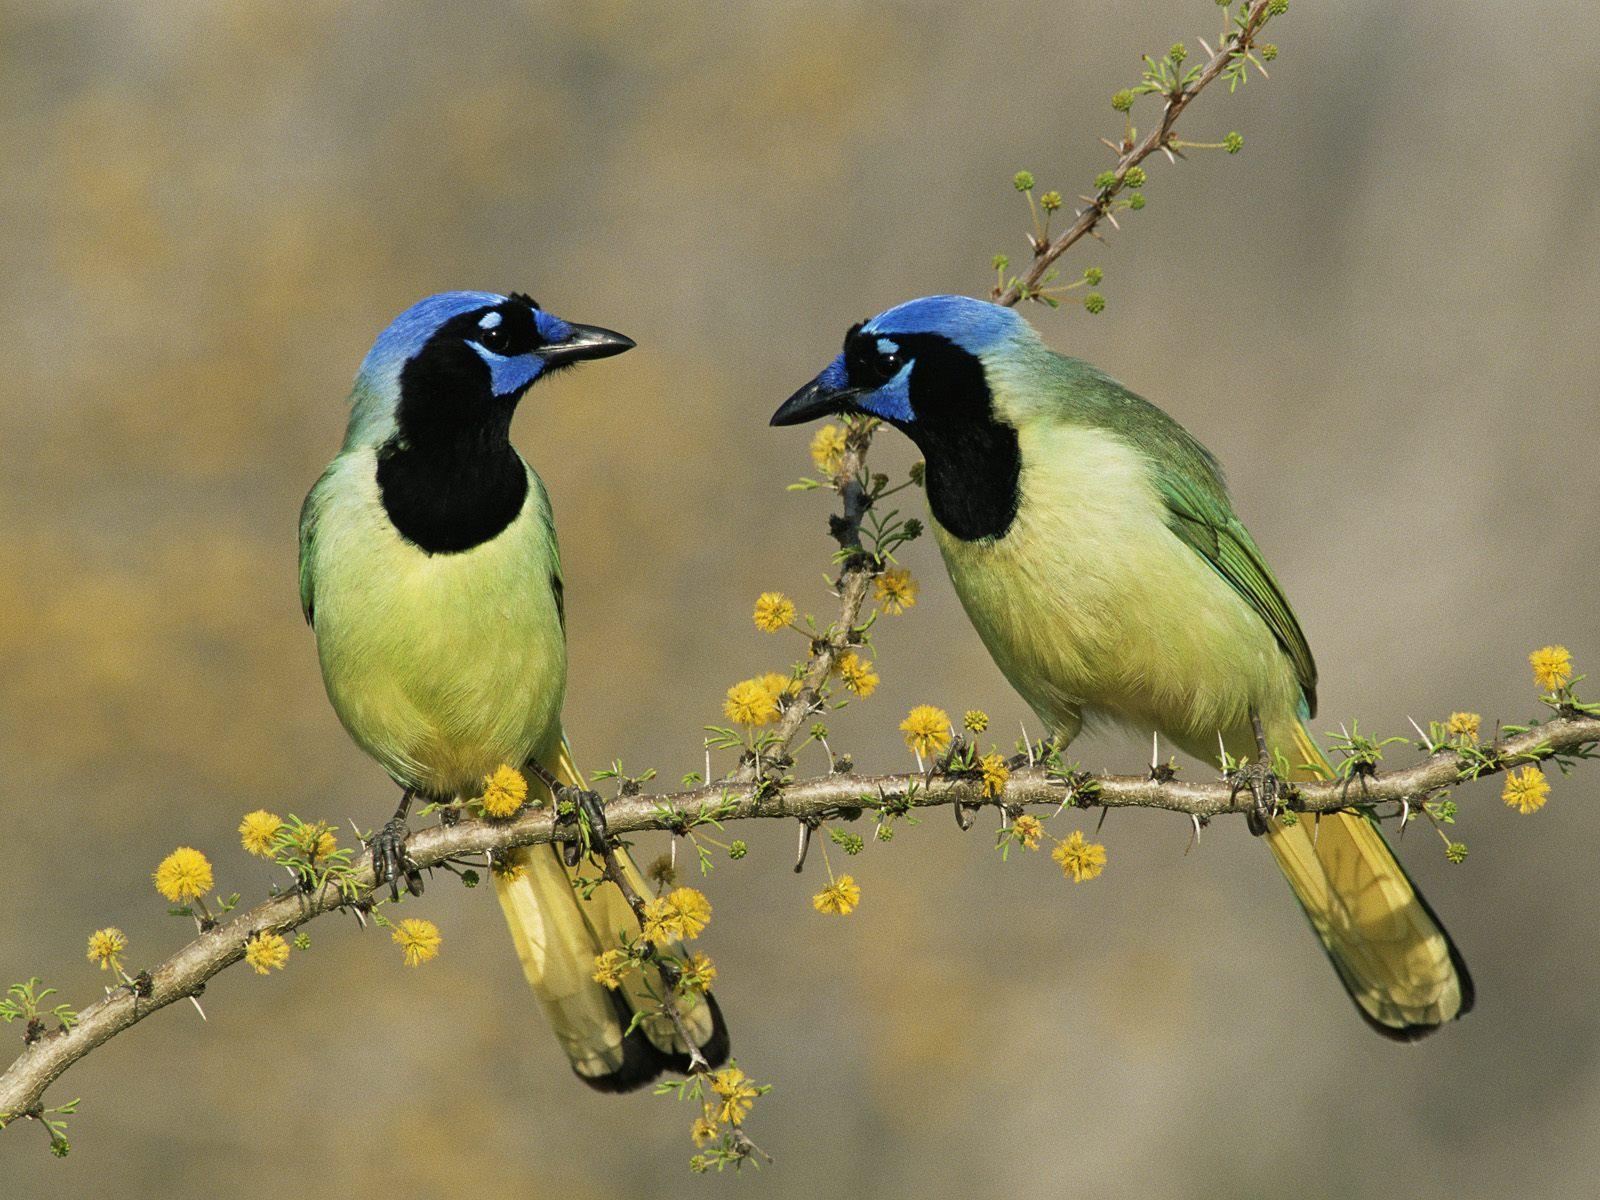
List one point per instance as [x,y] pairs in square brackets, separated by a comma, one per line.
[316,840]
[1079,858]
[418,940]
[1465,724]
[660,921]
[257,831]
[504,792]
[266,951]
[778,685]
[692,910]
[773,612]
[507,869]
[750,703]
[705,1130]
[1552,667]
[995,774]
[609,968]
[698,972]
[827,449]
[975,720]
[839,898]
[185,874]
[896,591]
[858,676]
[104,946]
[738,1094]
[927,729]
[1526,792]
[1027,830]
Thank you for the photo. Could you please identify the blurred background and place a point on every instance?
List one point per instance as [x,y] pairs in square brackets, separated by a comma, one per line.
[1381,315]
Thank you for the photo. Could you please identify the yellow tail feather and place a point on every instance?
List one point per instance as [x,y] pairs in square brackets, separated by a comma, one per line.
[1394,958]
[558,934]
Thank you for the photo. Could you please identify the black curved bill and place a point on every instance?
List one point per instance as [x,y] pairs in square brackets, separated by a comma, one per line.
[586,341]
[814,400]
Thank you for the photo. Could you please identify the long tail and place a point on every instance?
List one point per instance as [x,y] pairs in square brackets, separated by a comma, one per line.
[1392,954]
[558,935]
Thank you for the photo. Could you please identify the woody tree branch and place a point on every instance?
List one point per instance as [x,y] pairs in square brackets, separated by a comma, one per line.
[839,795]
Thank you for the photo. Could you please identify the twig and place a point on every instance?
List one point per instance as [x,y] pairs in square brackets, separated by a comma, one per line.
[831,796]
[1157,139]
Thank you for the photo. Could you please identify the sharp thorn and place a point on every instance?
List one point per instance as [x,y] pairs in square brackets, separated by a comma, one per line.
[1155,749]
[198,1009]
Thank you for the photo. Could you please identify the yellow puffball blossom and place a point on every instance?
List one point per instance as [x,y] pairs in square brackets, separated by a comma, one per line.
[927,729]
[1526,791]
[1079,858]
[693,910]
[507,869]
[105,945]
[704,1131]
[698,972]
[1027,830]
[257,831]
[858,676]
[896,591]
[609,967]
[975,720]
[316,840]
[774,611]
[839,898]
[738,1094]
[1552,667]
[779,685]
[418,940]
[681,913]
[750,703]
[1465,724]
[185,874]
[995,774]
[504,792]
[266,951]
[827,449]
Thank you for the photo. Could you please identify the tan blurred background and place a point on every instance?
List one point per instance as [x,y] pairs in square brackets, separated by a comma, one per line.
[1381,315]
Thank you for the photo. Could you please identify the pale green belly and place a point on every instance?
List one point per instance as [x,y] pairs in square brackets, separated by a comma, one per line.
[1092,608]
[441,667]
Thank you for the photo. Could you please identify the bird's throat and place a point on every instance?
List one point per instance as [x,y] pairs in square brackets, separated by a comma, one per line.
[973,477]
[449,494]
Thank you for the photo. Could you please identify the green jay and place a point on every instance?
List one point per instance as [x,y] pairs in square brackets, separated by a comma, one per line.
[1095,549]
[430,574]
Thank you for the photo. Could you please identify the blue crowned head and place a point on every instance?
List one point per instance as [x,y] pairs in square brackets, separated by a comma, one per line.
[461,358]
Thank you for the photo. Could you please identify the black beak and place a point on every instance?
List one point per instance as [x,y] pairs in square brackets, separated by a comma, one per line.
[586,341]
[814,400]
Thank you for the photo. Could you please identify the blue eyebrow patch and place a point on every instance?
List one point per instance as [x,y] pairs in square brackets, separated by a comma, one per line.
[886,347]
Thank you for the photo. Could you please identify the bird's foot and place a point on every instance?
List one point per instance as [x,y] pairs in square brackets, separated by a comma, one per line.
[1266,789]
[389,861]
[587,812]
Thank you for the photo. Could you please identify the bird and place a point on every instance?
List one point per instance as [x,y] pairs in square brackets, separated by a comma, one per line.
[1093,543]
[431,577]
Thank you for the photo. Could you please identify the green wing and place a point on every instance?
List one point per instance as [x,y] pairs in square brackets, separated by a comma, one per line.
[308,535]
[1201,516]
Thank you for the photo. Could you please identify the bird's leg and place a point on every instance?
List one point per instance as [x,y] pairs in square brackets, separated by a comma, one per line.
[388,847]
[1259,779]
[586,808]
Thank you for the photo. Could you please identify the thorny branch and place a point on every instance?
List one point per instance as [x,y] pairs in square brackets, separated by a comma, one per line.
[841,795]
[1160,138]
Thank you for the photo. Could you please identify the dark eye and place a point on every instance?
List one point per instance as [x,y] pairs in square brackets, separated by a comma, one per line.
[893,362]
[495,339]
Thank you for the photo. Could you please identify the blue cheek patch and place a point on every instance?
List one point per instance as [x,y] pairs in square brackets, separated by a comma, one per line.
[892,401]
[508,376]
